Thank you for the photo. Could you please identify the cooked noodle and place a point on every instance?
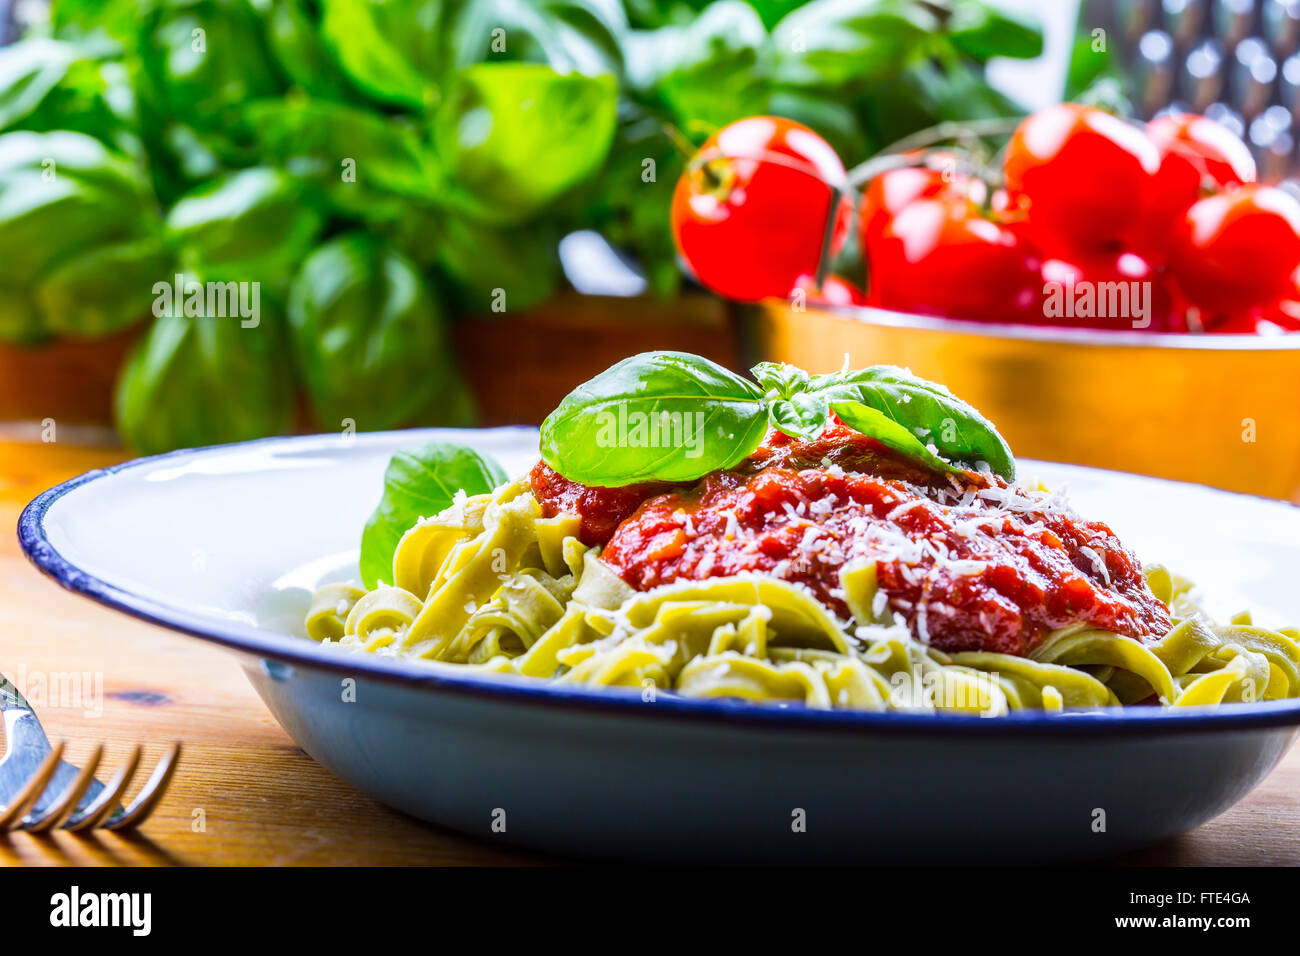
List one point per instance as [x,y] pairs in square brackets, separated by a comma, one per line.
[490,584]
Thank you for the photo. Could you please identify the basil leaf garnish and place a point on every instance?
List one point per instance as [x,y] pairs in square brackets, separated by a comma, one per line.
[670,416]
[785,380]
[889,433]
[955,428]
[802,415]
[419,483]
[661,416]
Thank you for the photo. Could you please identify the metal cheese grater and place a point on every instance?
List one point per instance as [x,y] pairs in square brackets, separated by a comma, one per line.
[1236,61]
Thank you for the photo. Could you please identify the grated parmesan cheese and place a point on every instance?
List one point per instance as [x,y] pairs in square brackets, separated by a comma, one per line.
[1098,564]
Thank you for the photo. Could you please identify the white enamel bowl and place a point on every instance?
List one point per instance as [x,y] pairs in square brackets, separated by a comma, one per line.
[226,543]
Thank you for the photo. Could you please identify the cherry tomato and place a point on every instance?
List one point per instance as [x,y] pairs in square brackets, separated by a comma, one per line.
[1278,317]
[894,190]
[750,212]
[1106,291]
[941,257]
[1237,249]
[1196,155]
[1267,320]
[1081,176]
[1272,318]
[835,291]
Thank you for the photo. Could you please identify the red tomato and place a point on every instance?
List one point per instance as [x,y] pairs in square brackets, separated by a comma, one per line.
[1277,318]
[750,212]
[1272,318]
[834,291]
[1243,323]
[1196,154]
[1237,249]
[1081,175]
[942,258]
[1105,291]
[1280,316]
[894,190]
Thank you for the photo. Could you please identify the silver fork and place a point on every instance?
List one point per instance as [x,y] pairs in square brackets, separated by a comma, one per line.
[40,791]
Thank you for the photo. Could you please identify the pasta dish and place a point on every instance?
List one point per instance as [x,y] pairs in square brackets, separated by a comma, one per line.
[835,563]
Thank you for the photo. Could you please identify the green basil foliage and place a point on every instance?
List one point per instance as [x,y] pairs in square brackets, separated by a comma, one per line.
[195,379]
[96,291]
[928,412]
[255,221]
[665,416]
[370,338]
[520,263]
[419,483]
[303,53]
[48,85]
[80,237]
[435,151]
[377,45]
[668,416]
[517,136]
[385,172]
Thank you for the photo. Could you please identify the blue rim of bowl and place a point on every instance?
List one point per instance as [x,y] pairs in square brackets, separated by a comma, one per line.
[294,650]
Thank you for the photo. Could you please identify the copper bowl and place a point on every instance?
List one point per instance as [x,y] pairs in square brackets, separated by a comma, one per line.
[1221,410]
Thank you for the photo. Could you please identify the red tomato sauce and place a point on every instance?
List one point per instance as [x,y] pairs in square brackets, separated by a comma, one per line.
[968,563]
[601,510]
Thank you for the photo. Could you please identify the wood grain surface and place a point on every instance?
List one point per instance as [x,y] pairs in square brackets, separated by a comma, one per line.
[245,794]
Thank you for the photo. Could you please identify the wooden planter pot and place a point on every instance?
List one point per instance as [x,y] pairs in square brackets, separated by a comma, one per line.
[519,365]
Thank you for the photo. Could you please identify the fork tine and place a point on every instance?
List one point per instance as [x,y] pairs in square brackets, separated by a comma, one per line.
[68,800]
[147,799]
[102,806]
[33,790]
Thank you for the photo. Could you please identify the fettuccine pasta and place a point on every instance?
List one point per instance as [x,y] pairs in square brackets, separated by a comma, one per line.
[493,585]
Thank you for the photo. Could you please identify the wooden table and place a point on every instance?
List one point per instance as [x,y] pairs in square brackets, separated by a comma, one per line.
[246,794]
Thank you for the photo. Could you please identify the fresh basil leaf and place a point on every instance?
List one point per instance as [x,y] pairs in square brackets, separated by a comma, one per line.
[198,59]
[80,18]
[254,222]
[369,338]
[510,268]
[981,31]
[780,377]
[516,136]
[94,96]
[190,157]
[953,426]
[64,191]
[1090,66]
[704,71]
[572,36]
[835,122]
[29,71]
[371,42]
[97,291]
[368,165]
[665,416]
[953,91]
[830,43]
[888,432]
[293,31]
[419,483]
[204,380]
[802,415]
